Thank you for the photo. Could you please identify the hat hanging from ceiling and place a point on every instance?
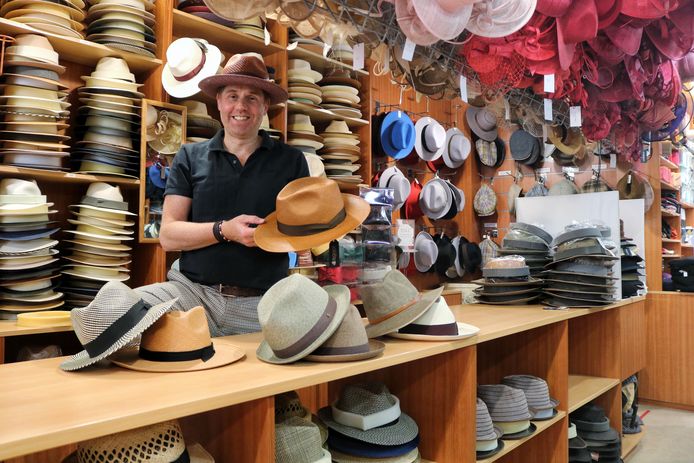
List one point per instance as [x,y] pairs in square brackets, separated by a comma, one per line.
[236,10]
[499,18]
[188,61]
[445,19]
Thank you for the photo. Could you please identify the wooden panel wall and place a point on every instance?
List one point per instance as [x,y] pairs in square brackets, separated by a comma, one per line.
[632,333]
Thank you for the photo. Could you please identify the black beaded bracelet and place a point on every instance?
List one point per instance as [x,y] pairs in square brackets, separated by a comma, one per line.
[217,231]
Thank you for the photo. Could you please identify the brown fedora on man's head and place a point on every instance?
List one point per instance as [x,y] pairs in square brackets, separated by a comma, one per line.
[245,69]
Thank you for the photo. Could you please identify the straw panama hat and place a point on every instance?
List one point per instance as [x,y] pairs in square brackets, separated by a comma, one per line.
[179,341]
[91,323]
[188,61]
[310,211]
[297,316]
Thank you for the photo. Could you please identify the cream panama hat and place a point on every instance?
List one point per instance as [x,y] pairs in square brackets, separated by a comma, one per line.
[188,61]
[300,70]
[33,50]
[105,201]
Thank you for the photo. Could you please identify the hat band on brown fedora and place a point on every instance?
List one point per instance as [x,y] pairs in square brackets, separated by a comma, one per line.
[311,335]
[449,329]
[346,350]
[312,228]
[402,308]
[108,204]
[117,329]
[197,68]
[203,354]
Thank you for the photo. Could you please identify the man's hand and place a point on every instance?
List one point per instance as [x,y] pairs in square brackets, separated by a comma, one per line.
[241,228]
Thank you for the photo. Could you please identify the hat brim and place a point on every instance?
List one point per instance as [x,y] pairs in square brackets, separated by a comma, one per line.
[342,296]
[19,308]
[210,86]
[82,359]
[186,88]
[225,353]
[196,454]
[519,435]
[464,331]
[269,238]
[399,432]
[486,135]
[375,349]
[405,317]
[410,457]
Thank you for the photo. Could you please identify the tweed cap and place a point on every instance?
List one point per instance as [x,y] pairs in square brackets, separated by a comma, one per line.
[595,185]
[377,407]
[485,201]
[299,441]
[505,403]
[486,151]
[536,393]
[538,189]
[563,187]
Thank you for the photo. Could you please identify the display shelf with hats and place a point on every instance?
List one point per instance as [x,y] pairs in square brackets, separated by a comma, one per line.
[319,62]
[324,115]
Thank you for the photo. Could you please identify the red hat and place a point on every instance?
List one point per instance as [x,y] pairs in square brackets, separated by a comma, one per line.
[686,66]
[608,11]
[626,35]
[554,8]
[580,23]
[649,9]
[668,39]
[411,209]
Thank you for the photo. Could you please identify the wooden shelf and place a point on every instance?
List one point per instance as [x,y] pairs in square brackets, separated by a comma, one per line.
[66,177]
[686,205]
[319,62]
[630,441]
[82,51]
[685,245]
[667,240]
[668,163]
[226,38]
[583,389]
[9,328]
[667,186]
[323,115]
[666,213]
[671,256]
[510,445]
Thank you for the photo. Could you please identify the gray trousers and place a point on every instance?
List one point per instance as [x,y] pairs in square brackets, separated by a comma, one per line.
[226,315]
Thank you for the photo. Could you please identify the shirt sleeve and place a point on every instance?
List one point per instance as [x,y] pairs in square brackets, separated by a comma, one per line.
[180,179]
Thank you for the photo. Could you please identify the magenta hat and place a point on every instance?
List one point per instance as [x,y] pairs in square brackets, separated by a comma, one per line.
[554,8]
[649,9]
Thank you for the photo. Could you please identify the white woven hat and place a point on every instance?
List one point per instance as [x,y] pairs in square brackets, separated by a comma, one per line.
[300,69]
[188,61]
[18,191]
[458,148]
[430,141]
[96,327]
[316,168]
[425,252]
[436,324]
[436,198]
[393,178]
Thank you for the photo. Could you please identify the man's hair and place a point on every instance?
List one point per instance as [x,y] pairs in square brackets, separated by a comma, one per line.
[266,95]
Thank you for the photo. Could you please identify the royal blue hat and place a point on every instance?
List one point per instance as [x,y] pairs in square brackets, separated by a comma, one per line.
[397,134]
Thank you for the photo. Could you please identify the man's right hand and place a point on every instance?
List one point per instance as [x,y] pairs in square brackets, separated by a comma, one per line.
[241,228]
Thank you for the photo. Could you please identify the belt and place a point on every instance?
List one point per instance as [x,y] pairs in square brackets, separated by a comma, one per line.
[238,291]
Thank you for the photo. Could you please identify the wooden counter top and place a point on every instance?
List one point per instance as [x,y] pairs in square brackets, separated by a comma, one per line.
[44,407]
[10,328]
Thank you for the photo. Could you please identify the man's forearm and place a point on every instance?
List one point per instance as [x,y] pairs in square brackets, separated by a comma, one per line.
[186,236]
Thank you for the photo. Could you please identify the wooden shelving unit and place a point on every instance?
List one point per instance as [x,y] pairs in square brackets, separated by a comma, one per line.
[318,61]
[630,441]
[667,186]
[9,328]
[671,256]
[667,240]
[666,213]
[324,115]
[583,389]
[668,163]
[511,445]
[66,177]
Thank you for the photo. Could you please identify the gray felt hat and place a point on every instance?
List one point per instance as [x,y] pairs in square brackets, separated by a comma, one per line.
[296,316]
[394,303]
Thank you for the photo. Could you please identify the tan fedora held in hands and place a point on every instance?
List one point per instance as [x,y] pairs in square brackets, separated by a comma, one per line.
[179,341]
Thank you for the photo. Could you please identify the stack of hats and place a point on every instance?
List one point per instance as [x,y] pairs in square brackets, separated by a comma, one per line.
[581,272]
[366,422]
[34,105]
[440,199]
[60,18]
[507,281]
[536,391]
[97,253]
[632,267]
[488,435]
[341,94]
[525,148]
[200,9]
[509,410]
[110,117]
[123,24]
[265,125]
[253,26]
[302,83]
[301,134]
[578,450]
[601,440]
[299,436]
[531,242]
[339,153]
[200,126]
[468,257]
[28,258]
[341,50]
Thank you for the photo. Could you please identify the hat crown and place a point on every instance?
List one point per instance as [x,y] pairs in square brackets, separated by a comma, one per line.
[338,127]
[159,443]
[485,119]
[184,55]
[15,186]
[505,403]
[434,136]
[287,405]
[400,133]
[114,68]
[297,441]
[247,64]
[384,297]
[309,201]
[300,122]
[434,195]
[536,389]
[484,424]
[105,191]
[350,333]
[365,398]
[178,331]
[438,314]
[196,108]
[299,65]
[289,309]
[458,147]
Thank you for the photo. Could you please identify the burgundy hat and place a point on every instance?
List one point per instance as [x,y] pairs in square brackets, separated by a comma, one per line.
[244,69]
[668,39]
[626,35]
[608,11]
[554,8]
[649,9]
[686,66]
[580,23]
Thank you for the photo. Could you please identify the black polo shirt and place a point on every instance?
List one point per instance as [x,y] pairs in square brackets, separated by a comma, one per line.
[222,189]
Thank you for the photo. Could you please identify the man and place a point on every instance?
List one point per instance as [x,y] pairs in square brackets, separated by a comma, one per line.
[217,193]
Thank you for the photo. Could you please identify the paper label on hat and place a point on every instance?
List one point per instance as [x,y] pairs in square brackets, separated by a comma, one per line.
[490,225]
[292,46]
[545,133]
[548,109]
[570,170]
[408,50]
[326,49]
[463,88]
[504,173]
[268,39]
[358,56]
[575,118]
[549,83]
[507,110]
[405,234]
[613,161]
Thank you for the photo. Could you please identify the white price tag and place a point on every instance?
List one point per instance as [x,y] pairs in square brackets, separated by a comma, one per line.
[503,173]
[358,56]
[408,50]
[569,170]
[326,49]
[268,39]
[548,109]
[575,118]
[70,175]
[613,161]
[490,225]
[507,110]
[543,170]
[463,88]
[405,234]
[292,46]
[549,83]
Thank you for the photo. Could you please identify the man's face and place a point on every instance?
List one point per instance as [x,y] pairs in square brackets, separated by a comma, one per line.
[241,109]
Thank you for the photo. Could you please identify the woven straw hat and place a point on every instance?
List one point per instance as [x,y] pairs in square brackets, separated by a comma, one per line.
[297,316]
[299,441]
[349,343]
[369,413]
[394,303]
[158,443]
[178,341]
[114,302]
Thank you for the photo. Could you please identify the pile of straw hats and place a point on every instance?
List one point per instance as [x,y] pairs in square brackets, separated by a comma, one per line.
[97,253]
[341,94]
[123,24]
[60,18]
[302,83]
[33,105]
[301,134]
[28,258]
[110,116]
[253,27]
[340,152]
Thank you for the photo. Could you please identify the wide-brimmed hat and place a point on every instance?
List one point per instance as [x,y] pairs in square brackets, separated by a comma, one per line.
[430,139]
[425,252]
[436,198]
[349,343]
[393,178]
[115,317]
[369,413]
[309,212]
[158,442]
[244,69]
[496,18]
[103,200]
[394,303]
[436,324]
[297,316]
[178,341]
[482,122]
[458,148]
[397,135]
[188,61]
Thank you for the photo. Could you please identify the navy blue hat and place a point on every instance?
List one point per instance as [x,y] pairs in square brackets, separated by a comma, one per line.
[355,447]
[397,135]
[27,234]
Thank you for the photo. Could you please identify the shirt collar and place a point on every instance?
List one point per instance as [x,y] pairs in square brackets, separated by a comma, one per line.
[217,142]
